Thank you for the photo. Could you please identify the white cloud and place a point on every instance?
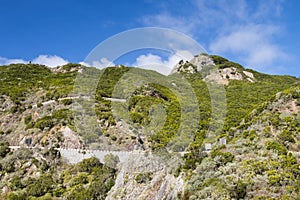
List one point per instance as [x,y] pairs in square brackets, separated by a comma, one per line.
[156,63]
[6,61]
[251,43]
[103,63]
[85,64]
[152,62]
[50,61]
[200,16]
[245,30]
[168,21]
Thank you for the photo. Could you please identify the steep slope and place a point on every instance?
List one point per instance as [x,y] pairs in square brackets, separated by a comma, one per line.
[261,158]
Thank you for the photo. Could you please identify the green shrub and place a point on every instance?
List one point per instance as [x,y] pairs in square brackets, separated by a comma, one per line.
[87,165]
[81,178]
[40,186]
[113,137]
[143,177]
[230,64]
[250,135]
[4,149]
[44,122]
[78,192]
[136,117]
[15,196]
[67,102]
[14,109]
[240,190]
[111,160]
[27,119]
[16,183]
[69,66]
[224,158]
[286,136]
[274,177]
[218,59]
[276,146]
[267,131]
[298,102]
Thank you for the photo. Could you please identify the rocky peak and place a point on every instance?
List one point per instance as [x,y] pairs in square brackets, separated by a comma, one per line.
[201,61]
[195,65]
[214,68]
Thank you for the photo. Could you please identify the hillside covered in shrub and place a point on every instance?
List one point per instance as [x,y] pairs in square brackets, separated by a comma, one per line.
[133,109]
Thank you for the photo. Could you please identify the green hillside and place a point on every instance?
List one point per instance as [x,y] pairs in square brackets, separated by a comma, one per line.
[153,113]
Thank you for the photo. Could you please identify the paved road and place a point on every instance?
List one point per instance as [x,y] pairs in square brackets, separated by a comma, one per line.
[76,155]
[114,99]
[77,97]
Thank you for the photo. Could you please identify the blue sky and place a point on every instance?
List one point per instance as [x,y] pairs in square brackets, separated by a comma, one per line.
[263,35]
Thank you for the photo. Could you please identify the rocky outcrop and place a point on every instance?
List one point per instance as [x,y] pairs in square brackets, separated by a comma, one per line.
[70,139]
[223,76]
[220,73]
[194,65]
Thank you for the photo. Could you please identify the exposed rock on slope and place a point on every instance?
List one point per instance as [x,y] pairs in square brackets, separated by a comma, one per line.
[68,68]
[147,178]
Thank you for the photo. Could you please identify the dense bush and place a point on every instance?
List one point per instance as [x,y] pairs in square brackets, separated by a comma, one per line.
[4,149]
[143,177]
[223,157]
[276,146]
[218,59]
[63,117]
[87,165]
[286,136]
[88,179]
[40,186]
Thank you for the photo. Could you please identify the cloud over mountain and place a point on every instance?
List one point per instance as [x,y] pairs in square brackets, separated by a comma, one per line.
[48,60]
